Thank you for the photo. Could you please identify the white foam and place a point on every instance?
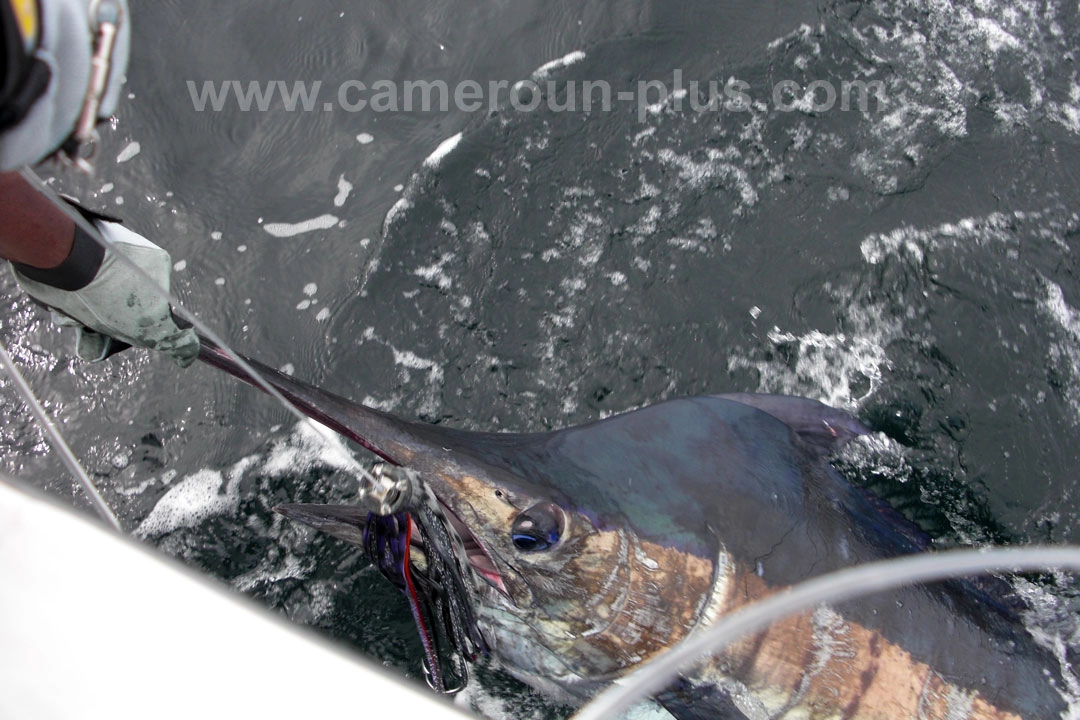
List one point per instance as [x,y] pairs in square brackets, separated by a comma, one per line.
[409,359]
[876,248]
[1067,114]
[397,212]
[800,33]
[283,230]
[194,499]
[688,244]
[270,571]
[719,164]
[435,273]
[311,445]
[1052,622]
[445,148]
[995,37]
[648,223]
[532,705]
[573,284]
[838,194]
[1064,353]
[585,236]
[567,60]
[640,137]
[828,366]
[132,149]
[936,62]
[344,188]
[137,489]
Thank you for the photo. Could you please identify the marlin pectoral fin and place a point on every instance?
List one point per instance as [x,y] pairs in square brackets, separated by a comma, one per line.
[823,428]
[345,522]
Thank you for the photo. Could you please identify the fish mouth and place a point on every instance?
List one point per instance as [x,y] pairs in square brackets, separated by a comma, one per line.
[350,523]
[478,558]
[453,535]
[427,551]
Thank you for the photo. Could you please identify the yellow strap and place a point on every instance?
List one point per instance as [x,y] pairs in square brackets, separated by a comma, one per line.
[28,20]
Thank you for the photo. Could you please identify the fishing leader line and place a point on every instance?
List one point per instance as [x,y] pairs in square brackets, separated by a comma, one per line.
[56,439]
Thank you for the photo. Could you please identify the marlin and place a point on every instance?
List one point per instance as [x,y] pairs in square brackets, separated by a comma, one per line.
[573,556]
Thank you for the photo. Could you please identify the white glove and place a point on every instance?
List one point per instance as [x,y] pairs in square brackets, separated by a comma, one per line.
[67,46]
[118,303]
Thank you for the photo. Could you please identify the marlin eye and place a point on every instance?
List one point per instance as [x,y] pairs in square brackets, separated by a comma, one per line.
[537,528]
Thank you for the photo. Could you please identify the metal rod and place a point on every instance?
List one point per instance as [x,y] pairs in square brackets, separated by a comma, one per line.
[58,442]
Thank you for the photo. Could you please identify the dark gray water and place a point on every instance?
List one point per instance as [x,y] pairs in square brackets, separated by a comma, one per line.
[912,262]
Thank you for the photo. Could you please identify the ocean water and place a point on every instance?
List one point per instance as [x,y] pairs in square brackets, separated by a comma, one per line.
[910,260]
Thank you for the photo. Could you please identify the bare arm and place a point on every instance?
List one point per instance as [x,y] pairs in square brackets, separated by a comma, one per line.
[33,231]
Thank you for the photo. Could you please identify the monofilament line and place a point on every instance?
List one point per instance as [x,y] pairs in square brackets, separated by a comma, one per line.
[57,441]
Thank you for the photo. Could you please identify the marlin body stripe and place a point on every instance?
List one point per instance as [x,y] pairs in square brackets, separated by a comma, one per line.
[592,549]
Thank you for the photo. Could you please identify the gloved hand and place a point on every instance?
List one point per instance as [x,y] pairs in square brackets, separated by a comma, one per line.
[113,303]
[47,75]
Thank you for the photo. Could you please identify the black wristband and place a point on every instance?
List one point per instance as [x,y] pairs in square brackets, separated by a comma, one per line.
[78,269]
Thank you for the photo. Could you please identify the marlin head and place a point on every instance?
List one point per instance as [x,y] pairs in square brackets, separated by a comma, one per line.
[575,555]
[565,597]
[585,551]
